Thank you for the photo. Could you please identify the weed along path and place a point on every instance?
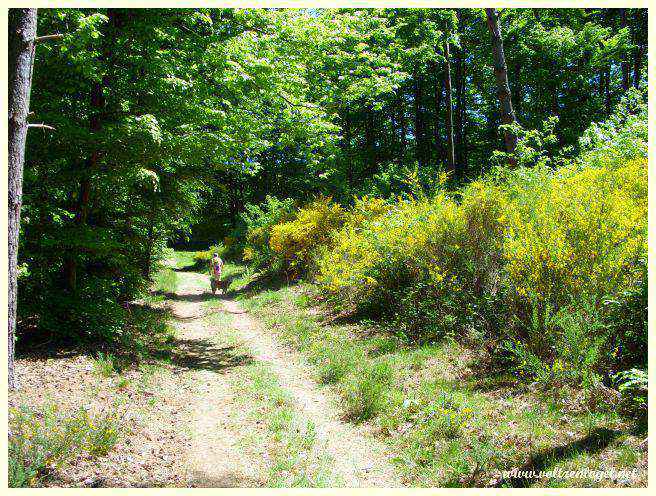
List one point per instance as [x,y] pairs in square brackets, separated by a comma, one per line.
[255,415]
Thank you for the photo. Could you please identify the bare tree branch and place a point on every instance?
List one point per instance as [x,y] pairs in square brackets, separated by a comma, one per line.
[48,37]
[42,126]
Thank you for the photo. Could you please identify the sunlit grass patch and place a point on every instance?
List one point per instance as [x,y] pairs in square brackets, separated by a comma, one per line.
[104,365]
[296,460]
[449,423]
[42,441]
[183,259]
[165,281]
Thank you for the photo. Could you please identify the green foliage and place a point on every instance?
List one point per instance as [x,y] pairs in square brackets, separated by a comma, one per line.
[365,391]
[575,240]
[202,258]
[295,241]
[260,220]
[165,281]
[634,386]
[41,442]
[621,137]
[550,261]
[171,123]
[104,365]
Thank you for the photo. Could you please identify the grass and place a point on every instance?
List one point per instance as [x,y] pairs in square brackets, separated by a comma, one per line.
[103,365]
[165,281]
[449,424]
[41,441]
[295,456]
[296,460]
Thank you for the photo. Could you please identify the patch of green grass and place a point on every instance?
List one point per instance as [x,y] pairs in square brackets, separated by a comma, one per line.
[165,281]
[41,442]
[183,259]
[103,365]
[296,460]
[448,424]
[122,383]
[365,391]
[336,360]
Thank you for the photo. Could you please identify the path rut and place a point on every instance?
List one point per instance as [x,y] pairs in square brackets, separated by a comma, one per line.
[214,460]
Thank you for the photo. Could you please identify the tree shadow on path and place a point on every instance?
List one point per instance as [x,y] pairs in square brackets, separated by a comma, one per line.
[203,354]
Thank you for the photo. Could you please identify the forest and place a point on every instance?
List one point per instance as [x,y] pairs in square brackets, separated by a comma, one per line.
[427,217]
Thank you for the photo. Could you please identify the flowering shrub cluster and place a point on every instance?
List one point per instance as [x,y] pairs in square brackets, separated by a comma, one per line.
[41,442]
[533,259]
[295,241]
[259,220]
[544,265]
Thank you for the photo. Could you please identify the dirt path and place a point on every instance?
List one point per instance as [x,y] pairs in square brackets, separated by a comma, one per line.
[214,459]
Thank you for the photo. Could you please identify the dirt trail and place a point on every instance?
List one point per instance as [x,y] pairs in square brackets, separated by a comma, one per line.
[213,459]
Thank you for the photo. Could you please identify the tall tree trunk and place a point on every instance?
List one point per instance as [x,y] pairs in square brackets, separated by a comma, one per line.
[637,65]
[403,123]
[609,106]
[97,115]
[517,90]
[439,87]
[460,105]
[450,155]
[460,98]
[419,121]
[346,147]
[626,70]
[22,34]
[370,139]
[501,73]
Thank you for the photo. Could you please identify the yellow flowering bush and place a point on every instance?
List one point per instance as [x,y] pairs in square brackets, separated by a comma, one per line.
[259,221]
[296,240]
[532,259]
[583,232]
[365,209]
[502,261]
[42,441]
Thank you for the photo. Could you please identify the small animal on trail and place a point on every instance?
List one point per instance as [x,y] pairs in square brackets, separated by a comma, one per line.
[218,284]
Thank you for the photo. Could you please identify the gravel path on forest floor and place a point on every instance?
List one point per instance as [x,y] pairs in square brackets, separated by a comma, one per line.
[359,459]
[186,422]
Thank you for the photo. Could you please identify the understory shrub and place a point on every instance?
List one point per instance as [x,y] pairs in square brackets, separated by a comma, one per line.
[40,442]
[545,266]
[202,258]
[426,263]
[544,263]
[294,242]
[576,242]
[365,391]
[259,220]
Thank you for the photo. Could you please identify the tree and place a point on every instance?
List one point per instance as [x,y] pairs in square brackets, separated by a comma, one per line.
[626,67]
[170,121]
[501,74]
[22,42]
[450,155]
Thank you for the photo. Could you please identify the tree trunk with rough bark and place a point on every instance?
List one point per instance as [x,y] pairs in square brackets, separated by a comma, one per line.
[626,68]
[450,155]
[402,124]
[96,117]
[22,34]
[501,73]
[459,120]
[439,86]
[419,121]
